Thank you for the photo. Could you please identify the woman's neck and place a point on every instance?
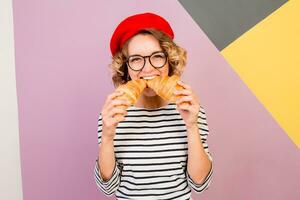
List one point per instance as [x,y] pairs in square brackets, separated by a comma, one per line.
[151,102]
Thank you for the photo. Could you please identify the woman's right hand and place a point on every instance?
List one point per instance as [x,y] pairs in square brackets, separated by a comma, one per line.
[110,120]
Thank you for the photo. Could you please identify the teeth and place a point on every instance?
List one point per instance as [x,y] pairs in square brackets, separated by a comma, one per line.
[149,77]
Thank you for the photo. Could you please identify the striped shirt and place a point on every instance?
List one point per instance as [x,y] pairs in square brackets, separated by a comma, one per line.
[151,150]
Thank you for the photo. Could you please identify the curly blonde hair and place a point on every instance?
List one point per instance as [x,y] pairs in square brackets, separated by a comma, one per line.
[177,57]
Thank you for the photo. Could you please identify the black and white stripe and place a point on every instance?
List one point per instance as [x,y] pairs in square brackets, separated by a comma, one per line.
[151,156]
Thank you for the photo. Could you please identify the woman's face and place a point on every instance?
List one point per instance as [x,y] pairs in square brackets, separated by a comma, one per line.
[145,45]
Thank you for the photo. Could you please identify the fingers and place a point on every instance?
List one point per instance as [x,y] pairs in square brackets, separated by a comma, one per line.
[117,103]
[111,106]
[114,109]
[114,116]
[113,96]
[187,95]
[182,92]
[184,106]
[186,86]
[184,99]
[117,111]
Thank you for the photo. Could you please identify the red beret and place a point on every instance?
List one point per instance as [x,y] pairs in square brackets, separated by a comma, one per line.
[135,23]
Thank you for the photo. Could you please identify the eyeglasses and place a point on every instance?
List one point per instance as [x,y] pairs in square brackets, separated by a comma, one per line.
[137,62]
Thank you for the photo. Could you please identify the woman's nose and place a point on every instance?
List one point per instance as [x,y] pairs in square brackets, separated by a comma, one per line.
[148,66]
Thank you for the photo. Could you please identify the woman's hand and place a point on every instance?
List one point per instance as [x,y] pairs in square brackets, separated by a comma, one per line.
[110,120]
[188,111]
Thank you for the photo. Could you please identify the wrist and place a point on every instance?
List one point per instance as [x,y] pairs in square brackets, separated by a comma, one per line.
[192,131]
[192,126]
[107,139]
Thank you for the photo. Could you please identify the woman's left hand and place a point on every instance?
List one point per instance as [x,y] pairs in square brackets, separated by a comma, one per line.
[188,111]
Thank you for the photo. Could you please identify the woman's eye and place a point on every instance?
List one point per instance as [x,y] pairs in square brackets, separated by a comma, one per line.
[135,59]
[158,56]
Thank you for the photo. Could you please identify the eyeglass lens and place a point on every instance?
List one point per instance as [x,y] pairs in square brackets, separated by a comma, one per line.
[157,60]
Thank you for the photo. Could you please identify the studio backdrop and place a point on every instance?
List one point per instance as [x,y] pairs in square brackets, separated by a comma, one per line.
[243,62]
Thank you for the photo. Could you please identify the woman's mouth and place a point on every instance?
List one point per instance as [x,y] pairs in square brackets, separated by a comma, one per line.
[148,77]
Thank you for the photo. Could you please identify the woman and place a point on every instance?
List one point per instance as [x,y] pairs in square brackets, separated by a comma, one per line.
[154,149]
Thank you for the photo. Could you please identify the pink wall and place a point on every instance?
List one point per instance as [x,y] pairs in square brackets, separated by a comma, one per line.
[62,53]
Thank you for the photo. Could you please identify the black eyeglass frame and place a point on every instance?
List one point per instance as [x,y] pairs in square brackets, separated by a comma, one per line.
[144,57]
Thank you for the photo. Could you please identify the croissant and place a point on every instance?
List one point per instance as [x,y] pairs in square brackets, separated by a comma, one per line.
[164,86]
[132,91]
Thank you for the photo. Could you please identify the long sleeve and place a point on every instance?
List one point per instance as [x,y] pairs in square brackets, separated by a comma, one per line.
[110,186]
[204,131]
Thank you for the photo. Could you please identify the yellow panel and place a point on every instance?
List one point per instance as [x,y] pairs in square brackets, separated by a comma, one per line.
[267,58]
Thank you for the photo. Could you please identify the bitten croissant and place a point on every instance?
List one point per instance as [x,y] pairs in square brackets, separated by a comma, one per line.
[164,86]
[132,91]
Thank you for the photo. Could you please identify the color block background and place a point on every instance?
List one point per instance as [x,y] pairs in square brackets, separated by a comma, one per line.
[62,79]
[267,59]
